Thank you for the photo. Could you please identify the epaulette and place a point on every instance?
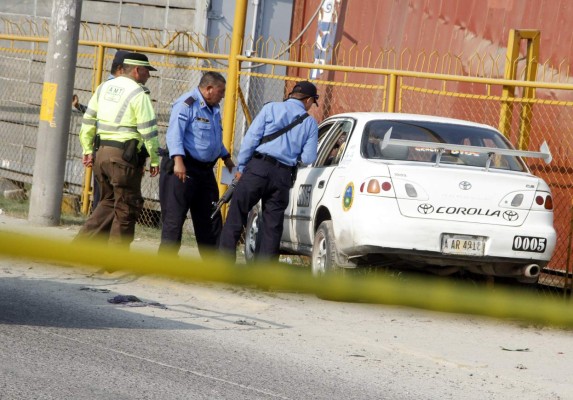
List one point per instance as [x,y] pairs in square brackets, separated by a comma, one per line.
[145,89]
[190,100]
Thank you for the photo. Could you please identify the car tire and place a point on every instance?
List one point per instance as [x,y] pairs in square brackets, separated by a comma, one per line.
[252,236]
[324,251]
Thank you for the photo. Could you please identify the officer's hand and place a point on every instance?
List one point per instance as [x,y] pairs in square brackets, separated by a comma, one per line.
[179,169]
[75,101]
[229,164]
[153,171]
[238,175]
[88,160]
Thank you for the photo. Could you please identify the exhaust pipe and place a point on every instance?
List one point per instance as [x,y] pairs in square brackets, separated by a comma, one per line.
[531,271]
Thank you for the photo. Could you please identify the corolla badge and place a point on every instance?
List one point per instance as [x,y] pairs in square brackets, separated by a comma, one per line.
[425,208]
[465,185]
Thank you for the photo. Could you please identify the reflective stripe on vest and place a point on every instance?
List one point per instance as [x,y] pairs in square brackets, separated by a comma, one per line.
[125,104]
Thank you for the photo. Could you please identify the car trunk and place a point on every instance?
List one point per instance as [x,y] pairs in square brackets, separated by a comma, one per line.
[462,194]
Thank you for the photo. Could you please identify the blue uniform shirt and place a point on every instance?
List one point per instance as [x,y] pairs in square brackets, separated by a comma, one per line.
[300,143]
[195,129]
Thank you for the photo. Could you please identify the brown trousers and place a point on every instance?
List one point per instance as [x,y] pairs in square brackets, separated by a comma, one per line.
[120,199]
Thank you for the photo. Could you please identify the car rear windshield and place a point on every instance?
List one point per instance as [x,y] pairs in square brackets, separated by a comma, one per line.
[374,132]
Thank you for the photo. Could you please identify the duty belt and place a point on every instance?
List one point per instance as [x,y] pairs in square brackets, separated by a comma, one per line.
[270,159]
[199,164]
[112,143]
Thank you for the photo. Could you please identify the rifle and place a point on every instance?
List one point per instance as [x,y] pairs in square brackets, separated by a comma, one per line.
[225,198]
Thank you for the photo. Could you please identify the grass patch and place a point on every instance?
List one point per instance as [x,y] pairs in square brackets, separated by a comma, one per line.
[14,208]
[20,209]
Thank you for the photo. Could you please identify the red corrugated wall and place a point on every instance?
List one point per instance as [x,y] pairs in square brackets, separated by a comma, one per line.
[459,27]
[454,26]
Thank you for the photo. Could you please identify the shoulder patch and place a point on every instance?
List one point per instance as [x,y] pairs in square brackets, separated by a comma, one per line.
[190,100]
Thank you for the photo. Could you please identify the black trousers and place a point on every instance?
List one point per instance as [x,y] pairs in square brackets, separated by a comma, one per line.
[266,181]
[197,195]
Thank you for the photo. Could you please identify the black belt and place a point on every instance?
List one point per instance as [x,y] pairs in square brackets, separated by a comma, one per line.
[112,143]
[199,164]
[270,159]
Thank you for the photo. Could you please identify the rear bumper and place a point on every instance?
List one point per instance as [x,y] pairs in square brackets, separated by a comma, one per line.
[383,230]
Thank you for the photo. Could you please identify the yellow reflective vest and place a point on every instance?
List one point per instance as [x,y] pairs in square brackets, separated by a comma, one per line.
[121,110]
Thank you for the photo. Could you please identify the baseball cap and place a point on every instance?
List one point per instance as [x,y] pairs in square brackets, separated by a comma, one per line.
[118,59]
[307,88]
[139,60]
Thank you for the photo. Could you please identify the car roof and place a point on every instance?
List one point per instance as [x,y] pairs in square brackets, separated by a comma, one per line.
[368,116]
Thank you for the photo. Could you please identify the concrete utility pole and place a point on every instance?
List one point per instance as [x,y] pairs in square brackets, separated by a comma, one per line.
[52,143]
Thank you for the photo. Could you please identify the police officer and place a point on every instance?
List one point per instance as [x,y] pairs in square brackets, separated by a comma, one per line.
[187,181]
[122,111]
[265,170]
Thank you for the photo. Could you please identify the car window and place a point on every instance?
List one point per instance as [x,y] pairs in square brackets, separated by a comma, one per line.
[334,144]
[324,128]
[374,132]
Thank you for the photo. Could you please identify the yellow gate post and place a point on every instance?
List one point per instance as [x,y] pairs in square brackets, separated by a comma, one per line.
[510,73]
[88,174]
[230,104]
[533,38]
[392,91]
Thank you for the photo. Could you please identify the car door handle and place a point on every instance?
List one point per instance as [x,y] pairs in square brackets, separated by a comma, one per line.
[320,184]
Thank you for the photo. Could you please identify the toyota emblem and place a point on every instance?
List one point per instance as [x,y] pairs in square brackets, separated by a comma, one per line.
[465,185]
[425,208]
[510,216]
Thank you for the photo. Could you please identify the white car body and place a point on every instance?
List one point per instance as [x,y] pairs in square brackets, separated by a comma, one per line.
[388,202]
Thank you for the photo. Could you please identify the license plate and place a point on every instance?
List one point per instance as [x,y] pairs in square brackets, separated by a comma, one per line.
[463,245]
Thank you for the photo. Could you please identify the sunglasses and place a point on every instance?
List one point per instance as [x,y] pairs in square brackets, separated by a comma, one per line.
[315,97]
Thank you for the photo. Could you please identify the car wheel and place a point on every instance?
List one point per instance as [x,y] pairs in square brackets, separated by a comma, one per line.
[324,251]
[252,236]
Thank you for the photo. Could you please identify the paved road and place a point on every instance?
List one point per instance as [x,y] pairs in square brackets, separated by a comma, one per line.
[60,338]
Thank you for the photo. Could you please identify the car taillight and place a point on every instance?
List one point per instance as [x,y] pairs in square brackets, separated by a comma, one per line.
[549,203]
[376,186]
[544,200]
[517,200]
[373,186]
[411,190]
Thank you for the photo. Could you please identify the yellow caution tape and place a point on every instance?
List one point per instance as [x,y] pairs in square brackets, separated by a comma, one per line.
[436,294]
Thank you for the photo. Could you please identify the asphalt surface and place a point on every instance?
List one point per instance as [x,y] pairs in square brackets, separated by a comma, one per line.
[62,339]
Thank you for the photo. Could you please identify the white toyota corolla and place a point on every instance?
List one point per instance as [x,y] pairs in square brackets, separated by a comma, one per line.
[417,191]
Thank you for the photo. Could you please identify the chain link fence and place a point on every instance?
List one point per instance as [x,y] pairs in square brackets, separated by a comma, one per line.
[361,81]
